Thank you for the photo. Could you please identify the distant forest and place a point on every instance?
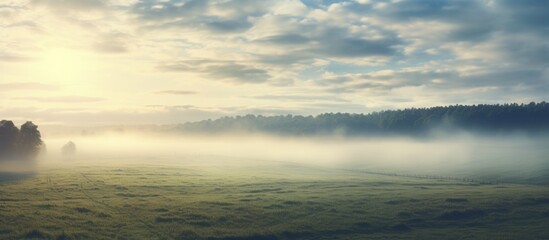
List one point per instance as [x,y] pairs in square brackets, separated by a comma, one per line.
[20,144]
[532,118]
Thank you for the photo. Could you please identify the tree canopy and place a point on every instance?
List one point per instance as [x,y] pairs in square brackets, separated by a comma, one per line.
[15,143]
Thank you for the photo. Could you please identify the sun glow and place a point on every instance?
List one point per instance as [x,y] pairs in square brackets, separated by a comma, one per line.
[65,66]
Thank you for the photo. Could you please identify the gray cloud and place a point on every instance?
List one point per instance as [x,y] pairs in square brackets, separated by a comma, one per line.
[387,81]
[25,24]
[306,42]
[80,5]
[287,38]
[298,56]
[230,25]
[357,47]
[176,92]
[63,99]
[473,20]
[502,78]
[490,86]
[266,111]
[526,15]
[318,108]
[110,47]
[200,14]
[173,107]
[10,10]
[514,30]
[477,21]
[450,80]
[237,72]
[10,57]
[168,10]
[528,50]
[335,42]
[452,10]
[302,98]
[111,42]
[215,70]
[26,86]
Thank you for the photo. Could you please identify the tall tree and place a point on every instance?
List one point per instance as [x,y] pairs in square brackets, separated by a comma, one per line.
[30,140]
[8,138]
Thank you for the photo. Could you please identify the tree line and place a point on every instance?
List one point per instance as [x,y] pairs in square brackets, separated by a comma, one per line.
[532,117]
[24,143]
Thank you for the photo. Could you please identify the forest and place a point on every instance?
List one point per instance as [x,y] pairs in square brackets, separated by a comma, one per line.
[492,118]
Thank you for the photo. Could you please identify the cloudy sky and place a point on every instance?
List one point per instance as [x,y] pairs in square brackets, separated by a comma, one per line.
[171,61]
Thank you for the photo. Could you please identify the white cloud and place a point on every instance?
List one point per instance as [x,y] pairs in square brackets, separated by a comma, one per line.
[290,7]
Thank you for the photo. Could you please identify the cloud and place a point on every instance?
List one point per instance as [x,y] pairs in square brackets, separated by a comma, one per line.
[11,9]
[110,46]
[25,24]
[266,111]
[27,86]
[238,72]
[177,92]
[13,58]
[322,37]
[357,47]
[80,5]
[475,22]
[318,108]
[442,79]
[63,99]
[214,16]
[299,98]
[285,39]
[489,85]
[230,25]
[336,43]
[169,10]
[527,15]
[219,70]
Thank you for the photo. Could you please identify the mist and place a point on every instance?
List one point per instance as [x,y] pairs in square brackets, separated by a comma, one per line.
[511,158]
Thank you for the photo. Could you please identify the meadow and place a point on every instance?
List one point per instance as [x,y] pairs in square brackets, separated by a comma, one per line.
[209,197]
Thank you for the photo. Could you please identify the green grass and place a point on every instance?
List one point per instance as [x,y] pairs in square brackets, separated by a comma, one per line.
[262,201]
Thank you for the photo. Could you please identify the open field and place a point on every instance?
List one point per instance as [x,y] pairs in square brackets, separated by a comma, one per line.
[203,199]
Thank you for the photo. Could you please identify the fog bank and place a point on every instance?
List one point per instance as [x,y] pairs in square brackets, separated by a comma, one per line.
[510,158]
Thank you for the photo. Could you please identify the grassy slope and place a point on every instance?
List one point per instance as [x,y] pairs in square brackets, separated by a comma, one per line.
[267,201]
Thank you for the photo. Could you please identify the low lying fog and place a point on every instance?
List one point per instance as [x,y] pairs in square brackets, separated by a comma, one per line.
[514,158]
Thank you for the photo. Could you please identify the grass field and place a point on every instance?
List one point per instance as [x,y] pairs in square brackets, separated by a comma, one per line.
[203,199]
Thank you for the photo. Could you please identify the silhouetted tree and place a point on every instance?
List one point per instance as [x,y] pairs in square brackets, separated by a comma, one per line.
[8,139]
[69,149]
[19,144]
[30,140]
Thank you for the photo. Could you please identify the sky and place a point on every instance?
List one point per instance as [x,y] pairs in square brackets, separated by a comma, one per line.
[94,62]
